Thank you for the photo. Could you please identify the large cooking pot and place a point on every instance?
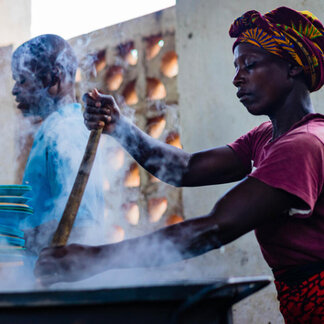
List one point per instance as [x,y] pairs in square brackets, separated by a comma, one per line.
[178,302]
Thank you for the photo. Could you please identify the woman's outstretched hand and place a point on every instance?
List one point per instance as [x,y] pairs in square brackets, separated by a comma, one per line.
[66,263]
[101,111]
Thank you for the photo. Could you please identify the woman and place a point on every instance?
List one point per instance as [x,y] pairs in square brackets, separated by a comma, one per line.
[278,60]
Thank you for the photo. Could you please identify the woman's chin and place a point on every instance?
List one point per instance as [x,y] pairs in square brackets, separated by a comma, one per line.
[254,110]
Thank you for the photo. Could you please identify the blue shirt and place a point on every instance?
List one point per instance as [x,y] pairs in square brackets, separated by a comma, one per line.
[52,166]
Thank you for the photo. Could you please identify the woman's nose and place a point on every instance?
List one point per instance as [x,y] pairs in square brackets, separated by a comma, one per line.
[238,78]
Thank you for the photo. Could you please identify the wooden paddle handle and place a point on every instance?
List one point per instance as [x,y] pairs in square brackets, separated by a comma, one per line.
[64,228]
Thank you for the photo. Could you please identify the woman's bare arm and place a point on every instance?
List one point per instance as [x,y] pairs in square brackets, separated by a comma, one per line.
[248,205]
[166,162]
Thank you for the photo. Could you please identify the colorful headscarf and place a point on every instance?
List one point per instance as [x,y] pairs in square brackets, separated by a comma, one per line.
[296,36]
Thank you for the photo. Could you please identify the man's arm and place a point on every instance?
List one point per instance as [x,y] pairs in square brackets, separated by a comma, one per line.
[248,205]
[168,163]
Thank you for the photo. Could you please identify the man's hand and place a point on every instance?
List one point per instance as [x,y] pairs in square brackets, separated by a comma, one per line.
[100,111]
[66,263]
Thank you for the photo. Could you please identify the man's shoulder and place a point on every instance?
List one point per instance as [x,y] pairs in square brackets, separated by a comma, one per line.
[63,126]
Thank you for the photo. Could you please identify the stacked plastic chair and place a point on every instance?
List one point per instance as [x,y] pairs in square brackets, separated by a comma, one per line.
[13,209]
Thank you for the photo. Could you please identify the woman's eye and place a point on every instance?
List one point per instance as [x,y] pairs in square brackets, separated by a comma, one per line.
[22,81]
[249,65]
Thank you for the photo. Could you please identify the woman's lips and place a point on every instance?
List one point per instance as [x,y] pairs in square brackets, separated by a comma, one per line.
[244,97]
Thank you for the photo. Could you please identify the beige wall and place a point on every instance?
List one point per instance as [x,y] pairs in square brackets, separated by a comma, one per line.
[15,18]
[7,119]
[211,115]
[15,21]
[109,40]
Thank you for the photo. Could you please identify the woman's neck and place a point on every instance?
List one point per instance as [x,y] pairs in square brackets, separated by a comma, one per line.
[297,105]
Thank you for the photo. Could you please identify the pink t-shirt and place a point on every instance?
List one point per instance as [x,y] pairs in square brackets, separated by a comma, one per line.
[293,162]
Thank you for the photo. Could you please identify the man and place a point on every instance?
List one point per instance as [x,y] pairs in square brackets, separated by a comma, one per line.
[44,72]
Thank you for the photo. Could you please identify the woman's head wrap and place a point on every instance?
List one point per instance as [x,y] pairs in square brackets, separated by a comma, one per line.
[295,36]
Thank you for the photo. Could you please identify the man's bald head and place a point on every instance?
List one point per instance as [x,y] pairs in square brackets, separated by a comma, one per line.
[44,72]
[46,56]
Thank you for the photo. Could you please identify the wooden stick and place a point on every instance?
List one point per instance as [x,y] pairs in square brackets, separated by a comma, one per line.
[64,228]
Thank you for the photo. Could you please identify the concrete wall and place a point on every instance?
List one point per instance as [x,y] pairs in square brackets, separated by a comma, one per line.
[7,119]
[15,20]
[211,115]
[140,35]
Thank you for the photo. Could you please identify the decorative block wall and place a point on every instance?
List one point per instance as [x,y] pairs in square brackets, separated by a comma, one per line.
[136,62]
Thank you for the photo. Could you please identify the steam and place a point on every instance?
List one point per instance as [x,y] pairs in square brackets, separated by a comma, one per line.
[21,278]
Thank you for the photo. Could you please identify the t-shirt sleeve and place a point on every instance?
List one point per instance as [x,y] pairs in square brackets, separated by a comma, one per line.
[246,145]
[242,148]
[295,164]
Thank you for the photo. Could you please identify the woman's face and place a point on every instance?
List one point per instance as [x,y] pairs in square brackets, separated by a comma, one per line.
[262,79]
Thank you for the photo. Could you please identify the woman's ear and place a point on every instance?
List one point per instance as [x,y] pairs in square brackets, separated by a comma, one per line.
[295,70]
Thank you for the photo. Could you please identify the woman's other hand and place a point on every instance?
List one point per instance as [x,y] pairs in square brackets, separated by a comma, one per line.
[66,263]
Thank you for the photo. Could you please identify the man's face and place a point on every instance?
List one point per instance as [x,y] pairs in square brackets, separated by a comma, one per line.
[262,79]
[31,94]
